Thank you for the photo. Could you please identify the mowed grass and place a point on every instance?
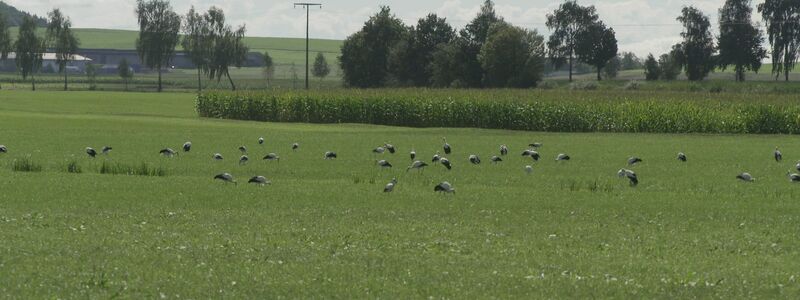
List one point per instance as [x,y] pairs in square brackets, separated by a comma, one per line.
[324,229]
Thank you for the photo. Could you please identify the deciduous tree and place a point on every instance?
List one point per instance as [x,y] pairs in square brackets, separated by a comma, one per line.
[567,23]
[5,38]
[512,57]
[62,40]
[596,46]
[29,48]
[697,48]
[159,28]
[321,68]
[197,42]
[740,43]
[125,72]
[782,18]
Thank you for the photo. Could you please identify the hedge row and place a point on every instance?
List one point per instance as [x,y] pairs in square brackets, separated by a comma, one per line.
[550,111]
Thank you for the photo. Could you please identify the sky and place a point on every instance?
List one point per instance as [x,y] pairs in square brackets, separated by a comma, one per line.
[642,26]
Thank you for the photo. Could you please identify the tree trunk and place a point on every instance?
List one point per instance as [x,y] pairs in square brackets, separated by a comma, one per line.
[65,78]
[199,82]
[159,79]
[33,82]
[599,78]
[233,86]
[570,67]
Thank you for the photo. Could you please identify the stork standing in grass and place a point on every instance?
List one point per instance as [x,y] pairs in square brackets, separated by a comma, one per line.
[446,163]
[444,187]
[436,158]
[503,150]
[243,160]
[474,159]
[187,146]
[634,160]
[390,147]
[535,145]
[528,169]
[225,177]
[168,152]
[91,152]
[330,155]
[625,173]
[272,156]
[261,140]
[793,177]
[413,154]
[243,149]
[797,166]
[417,165]
[390,186]
[295,146]
[3,149]
[384,164]
[778,155]
[745,177]
[106,150]
[217,156]
[496,159]
[446,146]
[682,156]
[378,150]
[532,153]
[259,180]
[562,157]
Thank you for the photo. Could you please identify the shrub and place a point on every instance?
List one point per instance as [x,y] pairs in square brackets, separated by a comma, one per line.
[25,165]
[143,169]
[532,110]
[73,167]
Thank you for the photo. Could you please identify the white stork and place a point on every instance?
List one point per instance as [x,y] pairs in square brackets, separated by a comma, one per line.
[446,147]
[745,177]
[413,154]
[444,187]
[295,146]
[243,149]
[503,150]
[226,177]
[390,186]
[378,150]
[562,157]
[793,177]
[261,140]
[446,163]
[168,152]
[384,164]
[272,156]
[474,159]
[535,145]
[417,165]
[3,149]
[217,156]
[778,155]
[634,160]
[106,149]
[390,147]
[496,159]
[259,180]
[243,160]
[528,169]
[330,155]
[187,146]
[623,173]
[91,152]
[682,156]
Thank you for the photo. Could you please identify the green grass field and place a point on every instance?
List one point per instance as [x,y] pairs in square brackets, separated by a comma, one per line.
[324,229]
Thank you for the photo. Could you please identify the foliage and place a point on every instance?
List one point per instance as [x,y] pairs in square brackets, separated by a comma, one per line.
[91,75]
[15,17]
[125,72]
[611,70]
[62,40]
[652,70]
[782,20]
[320,68]
[596,46]
[697,49]
[472,37]
[269,68]
[228,49]
[197,42]
[740,43]
[365,54]
[143,169]
[25,164]
[29,48]
[512,57]
[159,28]
[669,65]
[629,61]
[566,24]
[444,65]
[534,110]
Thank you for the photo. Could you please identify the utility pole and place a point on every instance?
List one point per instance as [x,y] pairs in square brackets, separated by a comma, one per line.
[307,7]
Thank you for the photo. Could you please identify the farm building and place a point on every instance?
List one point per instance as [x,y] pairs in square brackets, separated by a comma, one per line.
[77,65]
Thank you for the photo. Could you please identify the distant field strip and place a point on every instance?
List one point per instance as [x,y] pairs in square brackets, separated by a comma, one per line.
[553,111]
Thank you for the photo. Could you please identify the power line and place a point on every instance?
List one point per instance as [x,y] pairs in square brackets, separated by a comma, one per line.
[308,8]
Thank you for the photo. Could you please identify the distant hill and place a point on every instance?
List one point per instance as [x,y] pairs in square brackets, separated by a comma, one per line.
[15,16]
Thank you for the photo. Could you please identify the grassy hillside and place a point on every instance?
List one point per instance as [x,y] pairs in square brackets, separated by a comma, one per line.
[325,229]
[283,50]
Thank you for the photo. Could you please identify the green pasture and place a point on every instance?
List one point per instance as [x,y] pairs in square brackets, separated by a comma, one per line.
[325,229]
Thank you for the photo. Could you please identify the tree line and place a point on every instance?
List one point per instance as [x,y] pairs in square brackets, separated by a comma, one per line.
[490,52]
[213,45]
